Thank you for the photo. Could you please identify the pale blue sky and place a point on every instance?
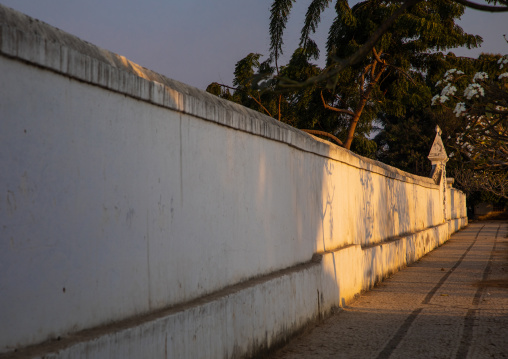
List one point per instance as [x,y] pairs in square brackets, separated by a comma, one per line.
[199,42]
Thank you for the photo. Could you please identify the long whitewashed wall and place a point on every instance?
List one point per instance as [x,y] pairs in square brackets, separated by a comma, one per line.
[123,192]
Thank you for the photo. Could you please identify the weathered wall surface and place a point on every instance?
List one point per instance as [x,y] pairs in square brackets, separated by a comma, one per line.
[456,203]
[123,192]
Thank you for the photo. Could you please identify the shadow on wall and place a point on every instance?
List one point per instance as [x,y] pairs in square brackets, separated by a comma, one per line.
[326,202]
[370,208]
[387,223]
[392,203]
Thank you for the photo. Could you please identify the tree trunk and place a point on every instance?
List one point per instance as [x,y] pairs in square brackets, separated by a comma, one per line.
[354,122]
[359,109]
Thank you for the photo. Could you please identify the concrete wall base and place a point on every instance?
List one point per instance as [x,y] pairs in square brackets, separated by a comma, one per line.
[455,224]
[215,326]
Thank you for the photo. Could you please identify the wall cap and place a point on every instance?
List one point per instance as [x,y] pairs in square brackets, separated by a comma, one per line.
[26,39]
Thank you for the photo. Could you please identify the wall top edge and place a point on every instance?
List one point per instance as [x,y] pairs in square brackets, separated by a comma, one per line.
[33,41]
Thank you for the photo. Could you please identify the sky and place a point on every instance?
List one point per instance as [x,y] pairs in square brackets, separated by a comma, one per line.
[199,41]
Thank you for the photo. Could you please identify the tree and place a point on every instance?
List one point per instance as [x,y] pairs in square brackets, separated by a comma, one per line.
[420,26]
[374,85]
[395,65]
[474,95]
[281,8]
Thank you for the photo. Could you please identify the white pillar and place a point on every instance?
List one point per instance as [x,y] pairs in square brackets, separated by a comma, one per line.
[438,157]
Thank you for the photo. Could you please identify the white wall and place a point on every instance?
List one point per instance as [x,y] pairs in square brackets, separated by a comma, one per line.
[456,203]
[120,195]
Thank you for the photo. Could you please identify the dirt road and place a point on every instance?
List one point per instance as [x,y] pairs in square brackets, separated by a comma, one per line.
[453,303]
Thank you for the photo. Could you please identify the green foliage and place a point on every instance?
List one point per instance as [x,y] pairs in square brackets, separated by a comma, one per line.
[244,70]
[364,147]
[389,89]
[312,18]
[217,90]
[279,14]
[405,141]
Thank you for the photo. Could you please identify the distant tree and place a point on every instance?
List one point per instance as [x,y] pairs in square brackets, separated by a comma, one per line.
[473,94]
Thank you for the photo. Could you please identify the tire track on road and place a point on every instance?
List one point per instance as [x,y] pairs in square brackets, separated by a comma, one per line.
[469,319]
[445,277]
[397,338]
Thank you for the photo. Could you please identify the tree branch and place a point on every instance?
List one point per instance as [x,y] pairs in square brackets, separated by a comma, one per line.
[348,112]
[481,7]
[362,76]
[377,56]
[248,94]
[323,133]
[403,72]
